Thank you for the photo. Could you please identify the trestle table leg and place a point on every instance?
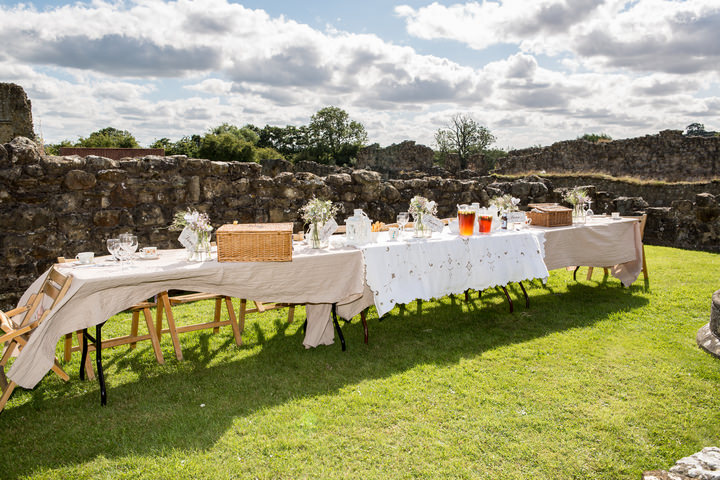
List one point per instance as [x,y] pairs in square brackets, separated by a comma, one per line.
[97,341]
[337,326]
[507,295]
[363,318]
[527,299]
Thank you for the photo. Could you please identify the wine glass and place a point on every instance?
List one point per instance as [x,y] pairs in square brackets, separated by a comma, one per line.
[113,244]
[402,219]
[589,213]
[128,245]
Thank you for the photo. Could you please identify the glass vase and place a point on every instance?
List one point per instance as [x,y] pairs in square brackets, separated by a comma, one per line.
[421,230]
[578,213]
[200,252]
[314,238]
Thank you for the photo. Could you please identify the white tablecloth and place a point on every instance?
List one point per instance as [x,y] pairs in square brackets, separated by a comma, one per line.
[601,242]
[402,271]
[314,277]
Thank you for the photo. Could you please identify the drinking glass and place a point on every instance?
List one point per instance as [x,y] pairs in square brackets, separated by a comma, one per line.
[402,219]
[113,244]
[589,213]
[128,246]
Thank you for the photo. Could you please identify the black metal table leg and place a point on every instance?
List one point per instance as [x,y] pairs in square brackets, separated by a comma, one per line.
[527,299]
[575,273]
[97,342]
[83,358]
[337,326]
[98,363]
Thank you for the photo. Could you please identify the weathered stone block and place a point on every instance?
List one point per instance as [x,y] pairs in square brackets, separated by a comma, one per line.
[112,175]
[107,218]
[150,215]
[630,205]
[274,166]
[101,163]
[338,179]
[4,158]
[219,169]
[79,180]
[122,196]
[23,151]
[366,177]
[244,169]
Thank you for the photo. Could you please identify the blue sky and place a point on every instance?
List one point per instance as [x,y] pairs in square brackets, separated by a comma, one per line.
[533,72]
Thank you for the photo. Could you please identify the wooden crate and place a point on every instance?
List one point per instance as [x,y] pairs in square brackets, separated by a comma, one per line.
[255,242]
[549,215]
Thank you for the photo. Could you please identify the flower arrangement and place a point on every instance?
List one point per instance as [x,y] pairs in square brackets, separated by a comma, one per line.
[505,203]
[318,211]
[422,206]
[576,196]
[193,220]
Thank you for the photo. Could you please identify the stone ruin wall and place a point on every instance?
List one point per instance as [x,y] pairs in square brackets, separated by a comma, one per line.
[15,113]
[58,206]
[668,156]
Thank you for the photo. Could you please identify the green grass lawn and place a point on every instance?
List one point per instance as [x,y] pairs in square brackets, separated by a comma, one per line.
[594,381]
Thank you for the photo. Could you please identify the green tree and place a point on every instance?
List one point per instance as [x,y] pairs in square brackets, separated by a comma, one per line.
[288,140]
[698,130]
[187,145]
[463,136]
[54,148]
[109,137]
[226,147]
[246,133]
[333,137]
[596,137]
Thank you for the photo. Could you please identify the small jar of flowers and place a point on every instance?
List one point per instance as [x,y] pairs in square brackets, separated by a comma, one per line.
[196,229]
[420,206]
[316,213]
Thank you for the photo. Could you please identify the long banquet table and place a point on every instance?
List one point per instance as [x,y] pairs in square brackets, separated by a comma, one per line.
[382,274]
[99,291]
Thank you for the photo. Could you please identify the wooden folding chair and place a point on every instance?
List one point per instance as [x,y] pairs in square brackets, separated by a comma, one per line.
[166,302]
[19,323]
[642,219]
[131,339]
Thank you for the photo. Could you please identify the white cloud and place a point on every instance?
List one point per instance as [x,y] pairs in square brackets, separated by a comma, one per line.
[673,36]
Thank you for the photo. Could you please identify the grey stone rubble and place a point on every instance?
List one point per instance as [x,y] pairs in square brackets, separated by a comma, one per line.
[704,465]
[708,337]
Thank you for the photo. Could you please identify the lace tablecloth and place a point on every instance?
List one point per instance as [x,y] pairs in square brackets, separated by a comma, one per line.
[405,270]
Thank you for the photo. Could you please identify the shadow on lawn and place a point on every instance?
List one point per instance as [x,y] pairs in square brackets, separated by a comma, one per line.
[162,412]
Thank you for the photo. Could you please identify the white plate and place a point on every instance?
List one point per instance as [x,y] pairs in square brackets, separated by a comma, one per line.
[148,257]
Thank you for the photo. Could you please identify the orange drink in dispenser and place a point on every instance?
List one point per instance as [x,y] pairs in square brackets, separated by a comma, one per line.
[466,220]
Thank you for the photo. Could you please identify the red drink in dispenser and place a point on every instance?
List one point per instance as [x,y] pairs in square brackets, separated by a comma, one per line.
[485,223]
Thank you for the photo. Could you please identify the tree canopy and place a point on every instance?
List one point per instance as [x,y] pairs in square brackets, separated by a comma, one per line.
[698,130]
[596,137]
[333,137]
[109,137]
[464,137]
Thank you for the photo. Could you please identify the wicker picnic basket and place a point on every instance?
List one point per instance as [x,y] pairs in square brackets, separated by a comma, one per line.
[549,215]
[255,242]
